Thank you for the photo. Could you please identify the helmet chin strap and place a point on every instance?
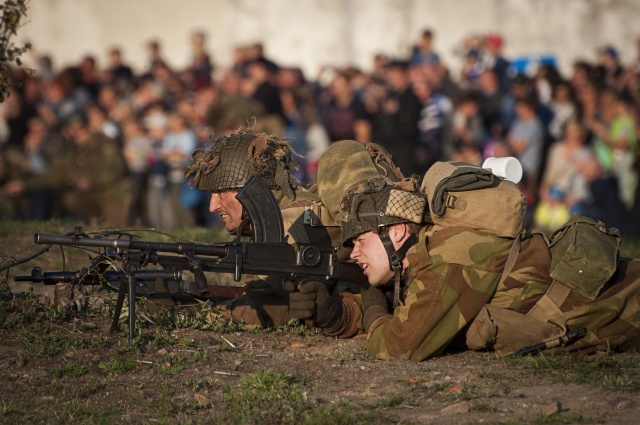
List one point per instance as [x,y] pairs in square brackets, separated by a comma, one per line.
[395,258]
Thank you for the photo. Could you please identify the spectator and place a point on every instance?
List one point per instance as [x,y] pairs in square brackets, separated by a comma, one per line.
[137,149]
[344,115]
[432,125]
[200,69]
[563,106]
[423,52]
[398,118]
[616,143]
[565,185]
[466,132]
[118,73]
[525,139]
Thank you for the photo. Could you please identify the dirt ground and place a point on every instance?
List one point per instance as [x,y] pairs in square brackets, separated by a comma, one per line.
[181,375]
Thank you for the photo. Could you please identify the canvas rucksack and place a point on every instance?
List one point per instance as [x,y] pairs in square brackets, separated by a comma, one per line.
[469,196]
[584,255]
[604,315]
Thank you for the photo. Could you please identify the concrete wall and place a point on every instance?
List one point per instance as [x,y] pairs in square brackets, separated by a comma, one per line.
[311,33]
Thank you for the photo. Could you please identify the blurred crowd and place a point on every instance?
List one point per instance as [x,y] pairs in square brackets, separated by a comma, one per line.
[101,142]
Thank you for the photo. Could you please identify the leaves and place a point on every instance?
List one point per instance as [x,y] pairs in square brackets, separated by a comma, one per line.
[11,14]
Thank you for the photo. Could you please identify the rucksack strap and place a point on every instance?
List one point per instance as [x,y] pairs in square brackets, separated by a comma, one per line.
[547,309]
[511,259]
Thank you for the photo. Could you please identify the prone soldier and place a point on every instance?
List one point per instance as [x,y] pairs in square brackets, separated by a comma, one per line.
[223,169]
[463,285]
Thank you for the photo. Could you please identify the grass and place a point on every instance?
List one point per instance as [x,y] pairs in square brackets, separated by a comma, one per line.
[604,371]
[630,248]
[274,397]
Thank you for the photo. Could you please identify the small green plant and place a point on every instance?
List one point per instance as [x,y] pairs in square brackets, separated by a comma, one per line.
[173,364]
[605,371]
[72,369]
[266,397]
[117,366]
[562,419]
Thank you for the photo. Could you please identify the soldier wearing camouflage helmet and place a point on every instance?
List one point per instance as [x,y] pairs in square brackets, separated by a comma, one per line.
[223,169]
[378,214]
[232,160]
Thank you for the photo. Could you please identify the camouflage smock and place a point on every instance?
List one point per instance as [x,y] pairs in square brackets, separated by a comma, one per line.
[306,221]
[453,273]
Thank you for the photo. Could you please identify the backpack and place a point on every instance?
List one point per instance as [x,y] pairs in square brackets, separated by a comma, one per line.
[469,196]
[584,255]
[601,314]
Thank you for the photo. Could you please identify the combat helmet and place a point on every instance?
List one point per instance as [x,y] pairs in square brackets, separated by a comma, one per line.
[375,206]
[346,164]
[233,159]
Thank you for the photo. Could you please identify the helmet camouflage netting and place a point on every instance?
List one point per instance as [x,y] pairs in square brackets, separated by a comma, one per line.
[347,163]
[232,159]
[375,204]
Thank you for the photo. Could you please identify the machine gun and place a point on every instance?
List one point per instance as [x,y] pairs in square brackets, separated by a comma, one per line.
[267,253]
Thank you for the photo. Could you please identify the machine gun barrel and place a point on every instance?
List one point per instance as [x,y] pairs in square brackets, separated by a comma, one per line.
[129,244]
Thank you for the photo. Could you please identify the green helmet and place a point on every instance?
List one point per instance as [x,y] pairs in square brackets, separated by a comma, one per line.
[378,203]
[347,163]
[233,159]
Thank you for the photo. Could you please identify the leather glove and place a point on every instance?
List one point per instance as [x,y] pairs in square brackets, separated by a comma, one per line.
[374,305]
[312,301]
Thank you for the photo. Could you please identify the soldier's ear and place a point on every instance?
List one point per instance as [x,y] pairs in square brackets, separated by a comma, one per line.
[398,232]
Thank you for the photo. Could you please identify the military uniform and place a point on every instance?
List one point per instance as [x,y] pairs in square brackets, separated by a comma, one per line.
[227,166]
[455,272]
[265,301]
[497,291]
[101,163]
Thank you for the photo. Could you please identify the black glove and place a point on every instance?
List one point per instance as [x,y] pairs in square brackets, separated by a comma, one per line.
[374,305]
[312,301]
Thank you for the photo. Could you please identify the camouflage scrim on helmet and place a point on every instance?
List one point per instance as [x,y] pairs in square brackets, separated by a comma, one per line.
[367,207]
[347,163]
[233,159]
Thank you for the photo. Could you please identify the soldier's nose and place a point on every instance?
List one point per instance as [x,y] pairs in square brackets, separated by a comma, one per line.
[214,204]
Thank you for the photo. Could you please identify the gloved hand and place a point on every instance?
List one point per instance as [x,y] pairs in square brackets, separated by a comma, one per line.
[373,296]
[312,301]
[374,305]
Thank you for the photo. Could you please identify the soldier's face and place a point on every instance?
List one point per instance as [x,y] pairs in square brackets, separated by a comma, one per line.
[228,207]
[371,256]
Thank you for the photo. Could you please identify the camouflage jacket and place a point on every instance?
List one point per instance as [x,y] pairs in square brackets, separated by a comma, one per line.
[453,273]
[306,221]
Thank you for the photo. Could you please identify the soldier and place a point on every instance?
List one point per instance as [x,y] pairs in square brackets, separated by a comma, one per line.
[98,179]
[92,176]
[450,276]
[223,170]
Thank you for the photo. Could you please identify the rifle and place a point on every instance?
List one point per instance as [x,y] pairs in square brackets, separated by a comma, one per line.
[571,336]
[266,254]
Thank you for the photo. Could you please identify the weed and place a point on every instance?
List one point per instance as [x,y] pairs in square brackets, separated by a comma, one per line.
[603,371]
[560,419]
[391,401]
[117,366]
[70,369]
[174,364]
[51,343]
[266,397]
[481,407]
[500,379]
